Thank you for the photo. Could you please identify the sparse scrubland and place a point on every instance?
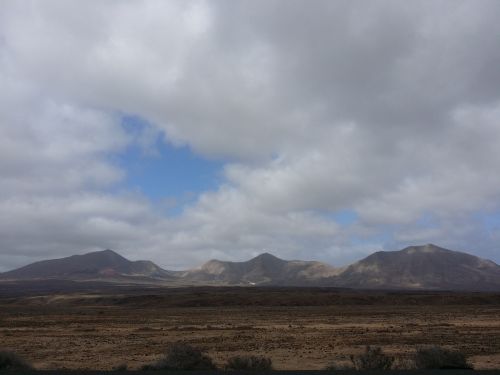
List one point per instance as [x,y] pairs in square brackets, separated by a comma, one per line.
[249,363]
[185,357]
[424,358]
[435,357]
[181,356]
[235,329]
[372,359]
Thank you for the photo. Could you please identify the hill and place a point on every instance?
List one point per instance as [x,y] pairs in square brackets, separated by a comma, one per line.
[426,267]
[98,265]
[422,267]
[265,269]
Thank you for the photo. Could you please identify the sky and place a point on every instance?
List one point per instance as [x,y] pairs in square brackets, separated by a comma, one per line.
[181,131]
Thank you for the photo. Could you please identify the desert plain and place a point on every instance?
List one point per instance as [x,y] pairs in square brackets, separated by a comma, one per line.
[99,327]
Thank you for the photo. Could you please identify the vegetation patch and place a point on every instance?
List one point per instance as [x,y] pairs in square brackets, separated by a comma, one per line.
[339,366]
[11,361]
[436,357]
[181,356]
[249,363]
[373,358]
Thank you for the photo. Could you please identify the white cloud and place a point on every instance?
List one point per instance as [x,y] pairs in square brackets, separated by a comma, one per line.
[387,109]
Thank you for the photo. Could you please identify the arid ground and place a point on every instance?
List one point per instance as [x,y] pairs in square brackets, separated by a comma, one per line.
[298,328]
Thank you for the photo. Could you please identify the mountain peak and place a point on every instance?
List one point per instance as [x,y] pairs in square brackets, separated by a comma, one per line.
[416,267]
[267,256]
[268,261]
[430,248]
[94,265]
[107,251]
[422,267]
[264,269]
[102,257]
[111,254]
[427,248]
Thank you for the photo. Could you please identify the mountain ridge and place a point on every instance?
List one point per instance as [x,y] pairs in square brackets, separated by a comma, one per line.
[428,267]
[104,264]
[425,267]
[263,269]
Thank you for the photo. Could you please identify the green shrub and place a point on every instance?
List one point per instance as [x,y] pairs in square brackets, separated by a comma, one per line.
[372,359]
[182,356]
[436,357]
[11,361]
[249,363]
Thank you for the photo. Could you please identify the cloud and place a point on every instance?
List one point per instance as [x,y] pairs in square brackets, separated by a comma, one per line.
[388,110]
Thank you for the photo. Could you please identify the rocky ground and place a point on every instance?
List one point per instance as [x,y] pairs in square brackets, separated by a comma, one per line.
[299,329]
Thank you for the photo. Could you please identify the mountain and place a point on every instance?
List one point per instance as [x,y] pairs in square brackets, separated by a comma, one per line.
[427,267]
[422,267]
[99,265]
[265,269]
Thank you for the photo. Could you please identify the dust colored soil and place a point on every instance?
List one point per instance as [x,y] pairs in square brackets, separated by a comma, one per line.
[300,329]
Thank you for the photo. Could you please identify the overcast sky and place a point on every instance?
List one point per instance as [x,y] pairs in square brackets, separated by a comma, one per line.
[180,131]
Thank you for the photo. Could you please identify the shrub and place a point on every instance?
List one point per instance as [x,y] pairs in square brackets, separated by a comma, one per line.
[403,363]
[11,361]
[435,357]
[338,366]
[249,363]
[121,367]
[182,356]
[372,359]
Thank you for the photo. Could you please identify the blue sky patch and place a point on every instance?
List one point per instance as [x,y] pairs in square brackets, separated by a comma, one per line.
[160,170]
[342,217]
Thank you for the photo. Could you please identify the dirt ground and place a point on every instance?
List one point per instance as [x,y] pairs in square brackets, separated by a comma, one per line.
[89,331]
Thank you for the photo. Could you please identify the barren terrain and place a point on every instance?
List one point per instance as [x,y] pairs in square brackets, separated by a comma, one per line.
[298,328]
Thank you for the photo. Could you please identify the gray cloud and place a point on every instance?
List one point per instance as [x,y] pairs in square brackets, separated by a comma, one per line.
[388,109]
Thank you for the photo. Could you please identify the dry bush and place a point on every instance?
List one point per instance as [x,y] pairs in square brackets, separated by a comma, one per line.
[403,363]
[249,363]
[339,366]
[121,367]
[435,357]
[11,361]
[181,356]
[372,359]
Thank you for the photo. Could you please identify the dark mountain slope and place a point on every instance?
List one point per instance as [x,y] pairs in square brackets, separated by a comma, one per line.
[95,265]
[426,267]
[422,267]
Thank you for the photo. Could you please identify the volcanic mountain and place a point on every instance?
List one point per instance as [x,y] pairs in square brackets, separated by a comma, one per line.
[265,269]
[427,267]
[421,267]
[99,265]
